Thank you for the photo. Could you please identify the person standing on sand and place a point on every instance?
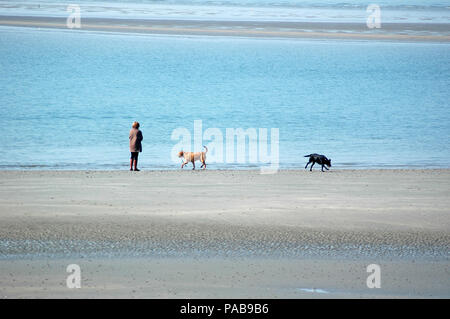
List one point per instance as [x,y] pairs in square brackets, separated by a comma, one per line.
[135,145]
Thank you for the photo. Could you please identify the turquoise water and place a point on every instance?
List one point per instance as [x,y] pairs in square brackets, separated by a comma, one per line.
[69,97]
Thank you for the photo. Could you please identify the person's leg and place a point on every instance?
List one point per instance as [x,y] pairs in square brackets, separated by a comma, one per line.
[135,162]
[131,161]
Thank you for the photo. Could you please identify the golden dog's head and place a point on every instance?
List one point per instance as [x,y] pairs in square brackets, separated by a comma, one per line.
[180,154]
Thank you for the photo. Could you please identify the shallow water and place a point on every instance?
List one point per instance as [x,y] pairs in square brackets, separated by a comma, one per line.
[69,97]
[19,249]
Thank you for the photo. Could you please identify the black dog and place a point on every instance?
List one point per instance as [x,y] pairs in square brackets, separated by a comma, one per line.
[319,159]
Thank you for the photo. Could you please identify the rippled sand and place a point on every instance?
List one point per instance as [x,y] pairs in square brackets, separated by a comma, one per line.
[225,233]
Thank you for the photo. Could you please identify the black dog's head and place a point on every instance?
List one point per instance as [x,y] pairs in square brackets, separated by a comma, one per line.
[327,162]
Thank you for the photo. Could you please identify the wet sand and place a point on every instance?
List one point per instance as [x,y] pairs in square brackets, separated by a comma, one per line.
[225,234]
[222,278]
[435,32]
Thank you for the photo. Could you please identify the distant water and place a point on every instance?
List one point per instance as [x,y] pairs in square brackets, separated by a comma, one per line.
[410,11]
[68,98]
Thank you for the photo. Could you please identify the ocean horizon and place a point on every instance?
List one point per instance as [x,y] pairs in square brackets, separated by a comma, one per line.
[415,11]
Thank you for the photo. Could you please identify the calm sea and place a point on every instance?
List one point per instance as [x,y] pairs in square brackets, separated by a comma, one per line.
[406,11]
[68,98]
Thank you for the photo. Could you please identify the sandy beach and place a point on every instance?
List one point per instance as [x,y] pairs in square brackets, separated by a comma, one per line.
[435,32]
[225,234]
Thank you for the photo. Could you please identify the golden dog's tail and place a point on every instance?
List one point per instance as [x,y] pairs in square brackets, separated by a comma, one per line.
[205,148]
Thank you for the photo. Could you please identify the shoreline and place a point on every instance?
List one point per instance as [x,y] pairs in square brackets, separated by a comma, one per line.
[415,32]
[125,168]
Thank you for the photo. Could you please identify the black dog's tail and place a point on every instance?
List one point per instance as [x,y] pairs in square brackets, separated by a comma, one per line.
[308,155]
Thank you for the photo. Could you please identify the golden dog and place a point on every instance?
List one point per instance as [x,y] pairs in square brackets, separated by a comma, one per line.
[194,156]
